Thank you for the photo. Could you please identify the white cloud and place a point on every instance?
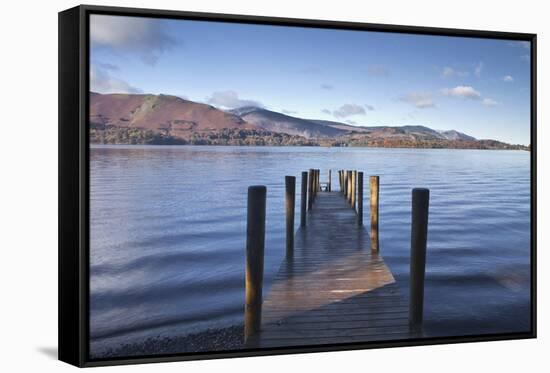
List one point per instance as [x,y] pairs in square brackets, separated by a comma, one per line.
[288,112]
[449,72]
[101,80]
[479,69]
[326,111]
[525,57]
[347,110]
[230,100]
[369,107]
[508,78]
[327,86]
[144,37]
[467,92]
[462,91]
[490,102]
[419,99]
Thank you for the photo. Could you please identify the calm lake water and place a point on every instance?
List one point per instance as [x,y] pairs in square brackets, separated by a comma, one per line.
[168,225]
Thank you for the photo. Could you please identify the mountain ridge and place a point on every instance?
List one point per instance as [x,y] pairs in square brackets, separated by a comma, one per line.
[278,122]
[167,119]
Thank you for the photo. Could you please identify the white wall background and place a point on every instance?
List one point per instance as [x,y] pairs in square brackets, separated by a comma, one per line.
[28,184]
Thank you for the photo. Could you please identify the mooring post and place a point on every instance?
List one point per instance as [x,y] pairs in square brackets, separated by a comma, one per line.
[303,200]
[310,190]
[346,184]
[315,182]
[318,180]
[345,179]
[290,202]
[329,186]
[340,180]
[360,198]
[254,272]
[419,236]
[353,188]
[315,185]
[374,192]
[349,186]
[350,193]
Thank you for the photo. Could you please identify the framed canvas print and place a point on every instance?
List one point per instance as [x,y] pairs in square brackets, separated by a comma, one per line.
[237,186]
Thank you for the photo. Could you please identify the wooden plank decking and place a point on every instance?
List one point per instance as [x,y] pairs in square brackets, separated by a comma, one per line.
[333,289]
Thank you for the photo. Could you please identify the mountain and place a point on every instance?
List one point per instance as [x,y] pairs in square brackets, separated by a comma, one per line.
[243,110]
[406,132]
[169,114]
[171,120]
[339,125]
[455,135]
[281,123]
[164,119]
[421,132]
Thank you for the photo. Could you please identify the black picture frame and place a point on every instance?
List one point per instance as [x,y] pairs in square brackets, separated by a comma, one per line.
[74,176]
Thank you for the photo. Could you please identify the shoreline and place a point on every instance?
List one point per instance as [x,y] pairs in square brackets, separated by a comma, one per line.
[99,145]
[210,340]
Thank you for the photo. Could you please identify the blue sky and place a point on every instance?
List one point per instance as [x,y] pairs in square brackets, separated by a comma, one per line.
[476,86]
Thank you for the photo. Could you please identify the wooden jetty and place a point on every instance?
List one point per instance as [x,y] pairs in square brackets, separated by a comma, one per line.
[333,285]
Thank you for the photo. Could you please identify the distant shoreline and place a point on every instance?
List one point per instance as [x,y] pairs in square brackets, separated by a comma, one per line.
[314,146]
[246,137]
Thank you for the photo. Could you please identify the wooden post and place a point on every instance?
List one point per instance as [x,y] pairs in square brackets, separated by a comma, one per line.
[290,202]
[254,273]
[303,200]
[341,181]
[353,188]
[315,186]
[315,190]
[359,198]
[310,190]
[345,184]
[374,192]
[311,182]
[419,236]
[345,178]
[318,180]
[349,186]
[329,186]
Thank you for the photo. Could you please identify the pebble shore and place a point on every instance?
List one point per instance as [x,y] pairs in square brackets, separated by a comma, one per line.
[224,339]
